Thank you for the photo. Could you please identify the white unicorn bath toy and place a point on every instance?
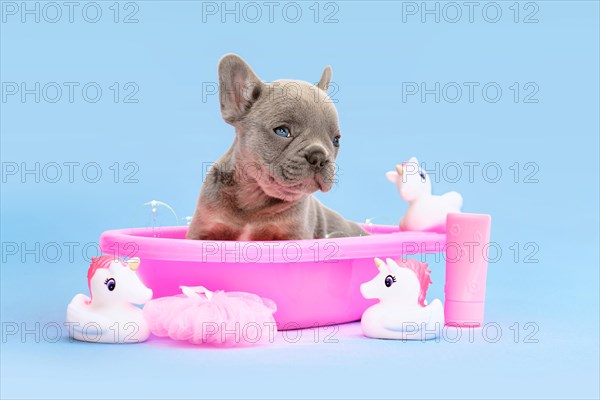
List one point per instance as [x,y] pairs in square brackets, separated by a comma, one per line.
[402,311]
[426,212]
[109,315]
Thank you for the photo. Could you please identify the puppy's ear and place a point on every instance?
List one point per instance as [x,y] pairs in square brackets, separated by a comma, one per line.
[325,79]
[239,87]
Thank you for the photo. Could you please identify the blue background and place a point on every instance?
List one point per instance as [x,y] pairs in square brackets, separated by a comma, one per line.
[552,283]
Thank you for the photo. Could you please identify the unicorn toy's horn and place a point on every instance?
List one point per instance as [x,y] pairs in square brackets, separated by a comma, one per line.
[133,263]
[399,169]
[379,263]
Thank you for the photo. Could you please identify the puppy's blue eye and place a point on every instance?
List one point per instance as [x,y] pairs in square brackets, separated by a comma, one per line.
[336,141]
[283,131]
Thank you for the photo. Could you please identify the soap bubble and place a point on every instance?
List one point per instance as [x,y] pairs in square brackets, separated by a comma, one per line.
[159,214]
[369,221]
[368,224]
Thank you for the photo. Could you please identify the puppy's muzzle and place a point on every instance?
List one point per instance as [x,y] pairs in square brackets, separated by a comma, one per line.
[317,157]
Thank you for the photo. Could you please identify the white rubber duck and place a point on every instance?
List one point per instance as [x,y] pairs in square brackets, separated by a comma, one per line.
[402,311]
[426,212]
[109,315]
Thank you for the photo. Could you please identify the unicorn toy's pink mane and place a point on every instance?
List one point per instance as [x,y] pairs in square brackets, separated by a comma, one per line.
[422,273]
[96,264]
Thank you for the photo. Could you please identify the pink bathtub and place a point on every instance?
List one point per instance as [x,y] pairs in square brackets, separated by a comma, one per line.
[313,282]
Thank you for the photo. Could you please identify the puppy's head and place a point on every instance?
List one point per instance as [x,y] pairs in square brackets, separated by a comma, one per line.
[287,134]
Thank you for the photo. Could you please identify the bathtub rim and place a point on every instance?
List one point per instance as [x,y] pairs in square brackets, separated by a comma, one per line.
[390,242]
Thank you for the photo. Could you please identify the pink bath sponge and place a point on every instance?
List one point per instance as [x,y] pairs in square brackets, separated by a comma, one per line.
[200,316]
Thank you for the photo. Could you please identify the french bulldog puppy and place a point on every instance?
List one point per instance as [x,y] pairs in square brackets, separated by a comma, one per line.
[286,142]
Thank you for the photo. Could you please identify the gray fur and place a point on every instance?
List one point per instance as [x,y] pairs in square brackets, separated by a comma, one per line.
[261,188]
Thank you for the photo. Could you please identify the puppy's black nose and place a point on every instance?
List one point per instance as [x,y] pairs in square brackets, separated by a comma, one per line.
[317,158]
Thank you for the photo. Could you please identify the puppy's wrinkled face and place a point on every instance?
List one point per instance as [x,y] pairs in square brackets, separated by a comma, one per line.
[292,133]
[287,131]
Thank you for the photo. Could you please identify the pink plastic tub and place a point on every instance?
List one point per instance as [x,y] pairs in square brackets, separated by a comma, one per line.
[313,282]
